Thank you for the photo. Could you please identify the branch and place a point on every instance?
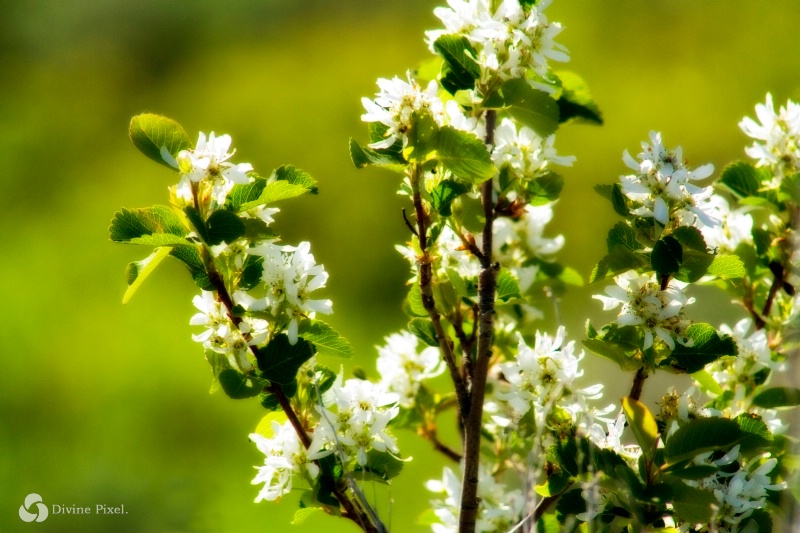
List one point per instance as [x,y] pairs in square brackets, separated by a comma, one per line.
[638,384]
[428,302]
[487,287]
[430,434]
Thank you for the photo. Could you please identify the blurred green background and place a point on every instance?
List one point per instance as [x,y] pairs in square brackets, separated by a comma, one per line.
[105,403]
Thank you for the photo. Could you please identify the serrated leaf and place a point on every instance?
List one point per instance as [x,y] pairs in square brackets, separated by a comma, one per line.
[295,176]
[643,424]
[421,137]
[666,256]
[507,286]
[464,155]
[190,256]
[694,266]
[138,271]
[693,505]
[690,238]
[326,340]
[444,193]
[274,192]
[256,230]
[155,135]
[533,108]
[622,235]
[384,465]
[242,193]
[458,54]
[775,397]
[197,222]
[699,436]
[727,267]
[620,259]
[161,239]
[575,101]
[129,224]
[238,386]
[423,329]
[612,351]
[694,472]
[708,346]
[619,201]
[545,189]
[280,360]
[741,178]
[301,515]
[224,226]
[756,434]
[363,156]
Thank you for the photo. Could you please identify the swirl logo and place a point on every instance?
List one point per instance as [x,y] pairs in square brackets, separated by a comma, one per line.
[41,512]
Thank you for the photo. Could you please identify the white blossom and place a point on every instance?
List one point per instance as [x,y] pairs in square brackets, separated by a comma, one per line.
[736,226]
[403,367]
[777,137]
[661,186]
[524,152]
[209,162]
[285,457]
[659,313]
[221,334]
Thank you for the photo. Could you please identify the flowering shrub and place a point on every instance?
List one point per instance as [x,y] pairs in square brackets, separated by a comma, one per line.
[474,148]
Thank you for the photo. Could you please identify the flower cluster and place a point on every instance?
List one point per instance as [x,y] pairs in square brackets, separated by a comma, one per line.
[658,312]
[285,457]
[661,188]
[777,137]
[403,367]
[510,37]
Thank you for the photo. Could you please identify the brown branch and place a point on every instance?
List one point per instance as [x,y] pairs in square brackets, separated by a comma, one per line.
[487,287]
[777,282]
[408,223]
[638,383]
[428,301]
[469,244]
[430,434]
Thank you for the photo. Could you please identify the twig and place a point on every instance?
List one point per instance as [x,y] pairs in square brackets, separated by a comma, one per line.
[487,285]
[430,434]
[408,223]
[638,383]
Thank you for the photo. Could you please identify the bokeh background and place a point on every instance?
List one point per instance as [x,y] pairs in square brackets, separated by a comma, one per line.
[108,403]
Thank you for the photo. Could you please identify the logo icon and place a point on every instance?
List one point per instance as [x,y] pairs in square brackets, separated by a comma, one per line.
[41,511]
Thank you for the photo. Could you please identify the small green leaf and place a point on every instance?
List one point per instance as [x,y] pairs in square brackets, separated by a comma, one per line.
[190,256]
[694,266]
[612,351]
[224,226]
[382,464]
[507,286]
[421,138]
[159,138]
[327,341]
[279,360]
[302,514]
[274,192]
[707,382]
[620,259]
[707,346]
[666,256]
[464,155]
[458,283]
[423,329]
[643,424]
[741,178]
[575,101]
[756,434]
[690,238]
[197,222]
[727,267]
[363,156]
[414,300]
[460,69]
[693,505]
[444,193]
[777,397]
[622,235]
[694,472]
[295,176]
[699,436]
[139,270]
[619,201]
[238,386]
[533,108]
[545,189]
[256,230]
[129,224]
[242,193]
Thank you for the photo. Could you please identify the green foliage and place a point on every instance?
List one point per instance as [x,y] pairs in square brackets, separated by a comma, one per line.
[622,235]
[190,256]
[444,193]
[727,267]
[691,504]
[699,436]
[544,189]
[533,108]
[421,137]
[138,271]
[414,302]
[459,70]
[279,360]
[507,286]
[643,424]
[423,329]
[666,256]
[364,156]
[777,397]
[159,138]
[742,179]
[276,191]
[239,386]
[464,155]
[128,225]
[575,102]
[242,193]
[381,466]
[196,220]
[708,346]
[755,433]
[619,259]
[327,341]
[223,226]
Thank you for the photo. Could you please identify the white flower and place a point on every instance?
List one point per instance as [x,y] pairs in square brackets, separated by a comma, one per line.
[644,304]
[509,40]
[362,412]
[221,335]
[736,226]
[500,507]
[396,103]
[611,438]
[402,367]
[524,152]
[779,134]
[209,161]
[285,456]
[754,355]
[661,186]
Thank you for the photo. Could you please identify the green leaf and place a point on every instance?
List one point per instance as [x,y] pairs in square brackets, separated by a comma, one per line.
[699,436]
[302,514]
[421,138]
[620,259]
[777,397]
[458,283]
[760,521]
[727,267]
[242,193]
[708,346]
[533,108]
[507,286]
[414,300]
[694,266]
[643,424]
[363,156]
[423,329]
[444,193]
[129,224]
[190,256]
[575,101]
[619,201]
[545,189]
[138,271]
[326,340]
[472,214]
[159,138]
[460,69]
[295,176]
[382,464]
[279,360]
[693,505]
[612,351]
[707,382]
[197,222]
[224,226]
[464,155]
[238,386]
[256,230]
[690,238]
[161,239]
[666,256]
[694,472]
[741,178]
[622,235]
[756,434]
[274,192]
